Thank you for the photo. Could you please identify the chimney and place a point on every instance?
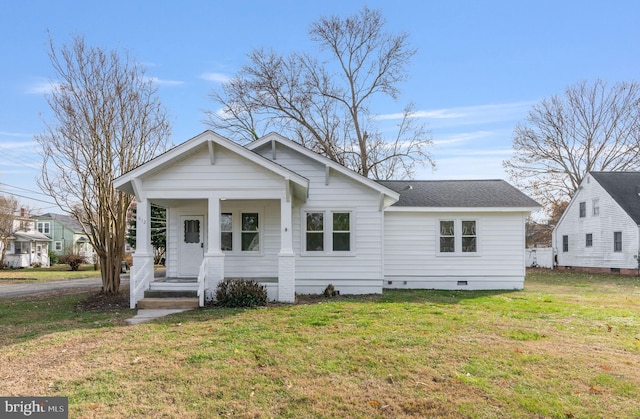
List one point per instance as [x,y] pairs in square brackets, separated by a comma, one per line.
[23,213]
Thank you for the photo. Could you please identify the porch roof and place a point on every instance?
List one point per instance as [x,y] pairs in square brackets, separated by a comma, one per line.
[127,181]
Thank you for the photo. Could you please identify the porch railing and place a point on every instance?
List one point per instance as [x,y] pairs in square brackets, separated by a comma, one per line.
[139,280]
[201,277]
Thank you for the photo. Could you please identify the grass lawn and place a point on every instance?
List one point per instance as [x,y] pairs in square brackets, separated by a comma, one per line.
[568,346]
[54,273]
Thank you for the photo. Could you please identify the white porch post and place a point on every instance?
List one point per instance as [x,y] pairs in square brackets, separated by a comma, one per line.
[214,257]
[143,256]
[286,257]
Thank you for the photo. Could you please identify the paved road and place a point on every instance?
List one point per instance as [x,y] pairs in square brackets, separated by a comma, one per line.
[16,290]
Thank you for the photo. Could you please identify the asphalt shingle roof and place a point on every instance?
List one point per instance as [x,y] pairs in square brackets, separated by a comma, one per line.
[458,194]
[623,188]
[66,220]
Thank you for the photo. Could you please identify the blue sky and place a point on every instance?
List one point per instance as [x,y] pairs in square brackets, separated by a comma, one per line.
[479,68]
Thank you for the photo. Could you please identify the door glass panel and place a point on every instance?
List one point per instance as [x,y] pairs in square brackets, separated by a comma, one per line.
[192,231]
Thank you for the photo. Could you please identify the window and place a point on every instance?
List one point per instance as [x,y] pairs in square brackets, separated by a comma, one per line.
[468,236]
[341,232]
[447,237]
[315,232]
[617,241]
[44,227]
[58,246]
[583,209]
[192,231]
[250,233]
[21,248]
[565,243]
[226,231]
[588,240]
[596,207]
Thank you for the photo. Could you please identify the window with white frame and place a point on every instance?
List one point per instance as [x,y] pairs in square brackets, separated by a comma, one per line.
[58,246]
[596,207]
[44,227]
[226,231]
[240,231]
[565,243]
[250,233]
[589,240]
[458,236]
[328,231]
[583,209]
[617,241]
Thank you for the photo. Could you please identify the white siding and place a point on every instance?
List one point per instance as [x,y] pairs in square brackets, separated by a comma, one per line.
[412,259]
[362,271]
[611,218]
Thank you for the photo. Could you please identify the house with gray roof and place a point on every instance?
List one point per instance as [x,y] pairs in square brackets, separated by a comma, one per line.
[297,222]
[66,234]
[599,230]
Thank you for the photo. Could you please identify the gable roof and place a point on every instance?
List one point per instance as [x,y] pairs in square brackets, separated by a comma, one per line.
[393,195]
[623,188]
[125,181]
[66,220]
[460,194]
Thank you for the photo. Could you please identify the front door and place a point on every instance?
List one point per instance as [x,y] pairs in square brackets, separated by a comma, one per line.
[191,245]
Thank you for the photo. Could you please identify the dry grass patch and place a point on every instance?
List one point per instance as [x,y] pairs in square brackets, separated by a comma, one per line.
[567,346]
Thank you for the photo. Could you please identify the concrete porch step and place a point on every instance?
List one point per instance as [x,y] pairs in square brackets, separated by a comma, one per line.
[168,303]
[173,286]
[172,293]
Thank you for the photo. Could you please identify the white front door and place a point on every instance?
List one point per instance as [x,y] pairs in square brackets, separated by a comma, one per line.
[191,245]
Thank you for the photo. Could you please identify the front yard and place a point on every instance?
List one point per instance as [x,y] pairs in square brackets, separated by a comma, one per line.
[568,346]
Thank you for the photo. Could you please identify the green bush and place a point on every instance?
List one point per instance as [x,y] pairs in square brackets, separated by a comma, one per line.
[240,293]
[53,258]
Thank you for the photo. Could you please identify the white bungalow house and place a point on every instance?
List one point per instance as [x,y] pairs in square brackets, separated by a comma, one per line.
[26,246]
[296,221]
[598,232]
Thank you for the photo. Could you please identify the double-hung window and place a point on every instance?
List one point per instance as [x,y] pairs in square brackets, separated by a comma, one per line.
[226,231]
[617,241]
[583,209]
[596,207]
[565,243]
[589,240]
[44,227]
[327,232]
[250,232]
[458,236]
[240,230]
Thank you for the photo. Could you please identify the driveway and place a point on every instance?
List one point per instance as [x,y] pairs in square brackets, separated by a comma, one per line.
[17,290]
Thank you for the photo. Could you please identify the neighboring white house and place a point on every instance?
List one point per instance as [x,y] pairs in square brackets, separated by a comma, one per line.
[296,221]
[27,247]
[598,231]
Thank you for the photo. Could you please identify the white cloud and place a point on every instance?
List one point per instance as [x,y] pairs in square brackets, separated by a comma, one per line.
[215,77]
[163,82]
[463,137]
[42,87]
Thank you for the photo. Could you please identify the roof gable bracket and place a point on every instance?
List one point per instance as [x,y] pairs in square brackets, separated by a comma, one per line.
[273,149]
[381,203]
[212,152]
[327,173]
[136,184]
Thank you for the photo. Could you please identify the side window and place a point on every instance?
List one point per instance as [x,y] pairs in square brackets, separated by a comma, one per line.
[617,241]
[226,231]
[250,234]
[589,240]
[565,243]
[341,232]
[447,236]
[469,236]
[315,232]
[583,209]
[596,207]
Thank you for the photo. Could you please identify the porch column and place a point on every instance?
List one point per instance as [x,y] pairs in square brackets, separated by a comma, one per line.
[142,270]
[286,257]
[214,257]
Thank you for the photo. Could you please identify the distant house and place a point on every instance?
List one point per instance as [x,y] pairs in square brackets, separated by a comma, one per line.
[598,231]
[27,247]
[65,233]
[296,221]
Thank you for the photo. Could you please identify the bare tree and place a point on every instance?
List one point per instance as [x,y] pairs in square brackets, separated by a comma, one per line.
[109,121]
[8,226]
[594,127]
[325,103]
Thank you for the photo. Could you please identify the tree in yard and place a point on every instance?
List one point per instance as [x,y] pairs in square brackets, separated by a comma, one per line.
[158,231]
[8,226]
[109,121]
[325,103]
[594,127]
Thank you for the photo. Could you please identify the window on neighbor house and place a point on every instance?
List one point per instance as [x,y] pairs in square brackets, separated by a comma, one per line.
[447,236]
[583,209]
[58,246]
[596,207]
[588,240]
[44,227]
[315,232]
[226,231]
[250,233]
[617,241]
[20,248]
[565,243]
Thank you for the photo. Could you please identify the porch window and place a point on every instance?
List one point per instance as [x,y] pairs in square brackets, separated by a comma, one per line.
[341,232]
[469,236]
[617,241]
[21,248]
[250,234]
[226,231]
[192,231]
[315,232]
[447,236]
